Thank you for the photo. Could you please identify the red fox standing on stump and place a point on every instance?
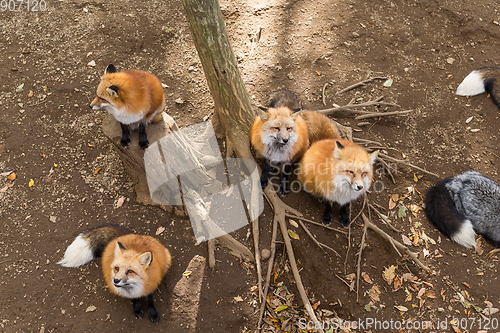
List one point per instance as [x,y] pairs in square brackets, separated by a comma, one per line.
[133,265]
[482,80]
[284,132]
[135,98]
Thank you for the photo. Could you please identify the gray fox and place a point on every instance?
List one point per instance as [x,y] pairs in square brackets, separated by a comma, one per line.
[464,205]
[482,80]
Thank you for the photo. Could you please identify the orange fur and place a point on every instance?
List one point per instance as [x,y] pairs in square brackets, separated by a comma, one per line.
[129,259]
[331,173]
[139,94]
[280,122]
[319,126]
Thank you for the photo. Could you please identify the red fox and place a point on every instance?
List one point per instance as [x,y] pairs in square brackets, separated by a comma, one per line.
[284,132]
[134,98]
[133,265]
[279,135]
[336,170]
[482,80]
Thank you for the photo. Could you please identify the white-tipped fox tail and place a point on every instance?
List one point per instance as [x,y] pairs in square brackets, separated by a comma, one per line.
[78,253]
[473,84]
[465,235]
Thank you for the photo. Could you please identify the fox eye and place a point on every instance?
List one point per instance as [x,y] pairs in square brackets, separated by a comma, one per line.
[364,174]
[290,129]
[130,272]
[276,128]
[350,172]
[116,269]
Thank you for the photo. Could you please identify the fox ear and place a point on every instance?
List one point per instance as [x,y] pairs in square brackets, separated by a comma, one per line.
[146,258]
[112,91]
[373,156]
[262,112]
[296,113]
[110,69]
[336,152]
[119,248]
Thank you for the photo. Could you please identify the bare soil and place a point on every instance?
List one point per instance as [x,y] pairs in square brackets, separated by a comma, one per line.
[48,134]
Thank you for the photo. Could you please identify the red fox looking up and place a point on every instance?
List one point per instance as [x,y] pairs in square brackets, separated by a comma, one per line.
[283,133]
[133,265]
[279,135]
[133,97]
[336,170]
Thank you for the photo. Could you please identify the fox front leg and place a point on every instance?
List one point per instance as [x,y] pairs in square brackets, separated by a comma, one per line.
[264,177]
[143,138]
[138,310]
[285,173]
[154,316]
[327,215]
[125,140]
[344,216]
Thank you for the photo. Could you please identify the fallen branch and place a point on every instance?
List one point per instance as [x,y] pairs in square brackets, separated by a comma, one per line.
[392,159]
[323,94]
[386,220]
[395,243]
[361,83]
[350,107]
[361,247]
[320,245]
[316,223]
[382,114]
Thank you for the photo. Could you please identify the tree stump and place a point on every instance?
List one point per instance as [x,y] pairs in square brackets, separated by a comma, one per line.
[133,156]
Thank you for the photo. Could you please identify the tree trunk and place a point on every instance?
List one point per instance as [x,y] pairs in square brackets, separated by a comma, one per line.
[233,110]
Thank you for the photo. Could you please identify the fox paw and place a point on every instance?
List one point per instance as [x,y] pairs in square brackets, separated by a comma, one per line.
[138,310]
[263,183]
[284,190]
[154,316]
[345,221]
[326,220]
[143,144]
[125,142]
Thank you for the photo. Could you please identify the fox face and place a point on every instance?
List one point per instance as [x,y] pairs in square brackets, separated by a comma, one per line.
[111,96]
[279,134]
[354,173]
[128,271]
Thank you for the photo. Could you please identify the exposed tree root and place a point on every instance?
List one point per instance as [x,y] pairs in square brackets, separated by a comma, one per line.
[361,83]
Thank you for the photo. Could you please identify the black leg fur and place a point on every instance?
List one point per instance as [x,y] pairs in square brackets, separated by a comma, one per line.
[154,316]
[125,141]
[285,174]
[138,310]
[344,216]
[143,138]
[327,215]
[264,177]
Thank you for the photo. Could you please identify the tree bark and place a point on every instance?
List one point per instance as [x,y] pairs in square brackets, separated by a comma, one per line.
[233,110]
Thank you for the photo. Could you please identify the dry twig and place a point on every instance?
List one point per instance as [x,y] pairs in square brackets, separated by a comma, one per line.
[362,83]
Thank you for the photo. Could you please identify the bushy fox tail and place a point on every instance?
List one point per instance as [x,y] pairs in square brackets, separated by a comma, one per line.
[90,244]
[480,81]
[443,213]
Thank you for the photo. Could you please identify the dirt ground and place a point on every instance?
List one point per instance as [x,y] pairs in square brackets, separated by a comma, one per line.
[48,134]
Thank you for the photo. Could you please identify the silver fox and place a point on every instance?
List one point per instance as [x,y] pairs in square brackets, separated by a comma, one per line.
[464,205]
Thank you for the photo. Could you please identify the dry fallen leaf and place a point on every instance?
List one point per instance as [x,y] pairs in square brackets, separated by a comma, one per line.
[238,299]
[160,230]
[279,308]
[366,278]
[389,273]
[187,273]
[315,305]
[6,188]
[374,294]
[12,176]
[292,234]
[31,183]
[97,170]
[397,283]
[292,222]
[120,202]
[406,240]
[401,308]
[91,309]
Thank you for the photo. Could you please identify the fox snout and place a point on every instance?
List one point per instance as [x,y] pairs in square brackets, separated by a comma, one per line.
[356,187]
